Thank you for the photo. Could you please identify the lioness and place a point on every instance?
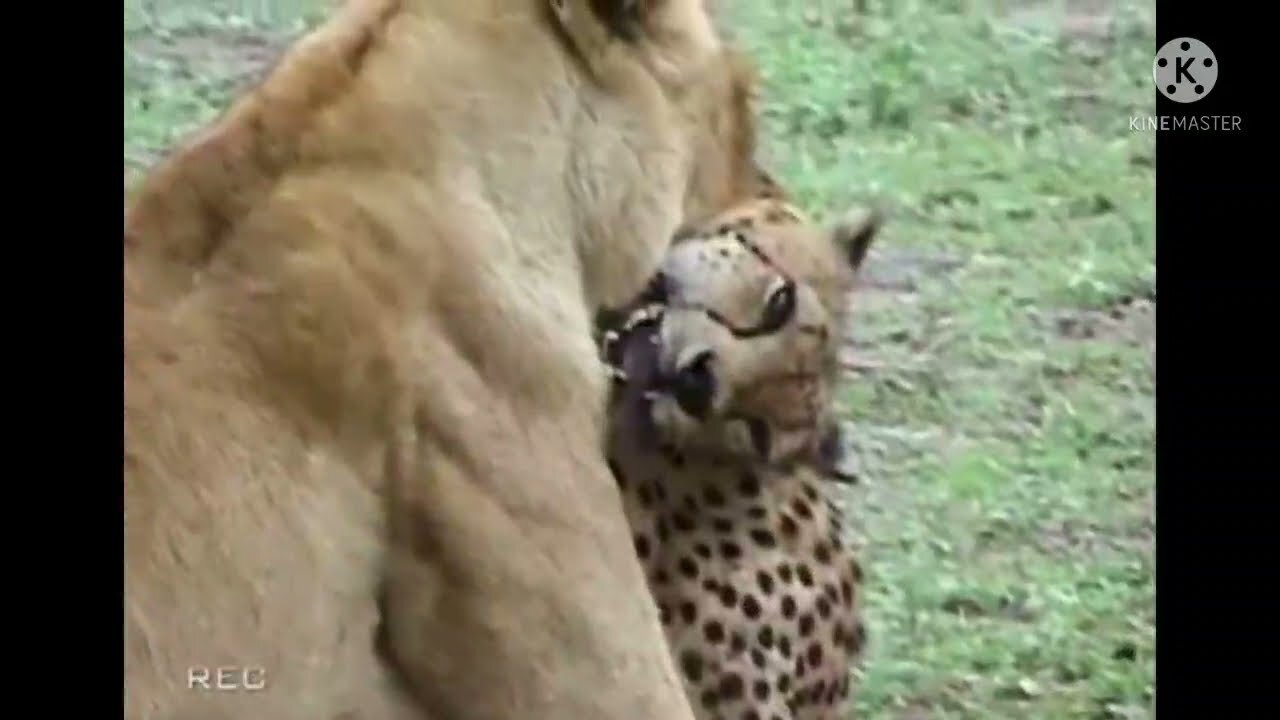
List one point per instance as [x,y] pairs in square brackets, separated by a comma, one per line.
[358,364]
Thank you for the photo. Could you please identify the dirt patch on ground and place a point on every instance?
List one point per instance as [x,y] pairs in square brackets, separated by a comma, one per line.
[900,270]
[1130,320]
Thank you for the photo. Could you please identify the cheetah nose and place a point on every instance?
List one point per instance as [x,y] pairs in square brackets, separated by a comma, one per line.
[694,386]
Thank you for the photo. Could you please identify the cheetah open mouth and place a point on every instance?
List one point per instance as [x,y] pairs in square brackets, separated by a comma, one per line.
[637,354]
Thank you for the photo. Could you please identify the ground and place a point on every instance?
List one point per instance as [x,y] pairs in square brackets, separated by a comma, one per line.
[1001,393]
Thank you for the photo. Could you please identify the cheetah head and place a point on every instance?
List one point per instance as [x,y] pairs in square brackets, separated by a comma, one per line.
[733,348]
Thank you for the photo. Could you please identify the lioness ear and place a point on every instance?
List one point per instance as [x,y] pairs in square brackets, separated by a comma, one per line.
[855,233]
[622,17]
[674,39]
[629,19]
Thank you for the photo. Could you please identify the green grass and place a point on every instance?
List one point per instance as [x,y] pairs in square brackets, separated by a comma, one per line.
[1002,404]
[1003,411]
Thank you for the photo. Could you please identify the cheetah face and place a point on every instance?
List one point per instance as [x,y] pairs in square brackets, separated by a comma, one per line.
[733,351]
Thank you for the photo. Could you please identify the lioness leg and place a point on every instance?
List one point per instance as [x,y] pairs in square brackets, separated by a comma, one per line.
[513,517]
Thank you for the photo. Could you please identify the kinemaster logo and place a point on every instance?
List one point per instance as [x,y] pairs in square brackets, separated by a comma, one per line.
[1185,70]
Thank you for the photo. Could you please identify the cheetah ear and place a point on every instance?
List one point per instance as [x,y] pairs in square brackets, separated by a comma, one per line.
[856,231]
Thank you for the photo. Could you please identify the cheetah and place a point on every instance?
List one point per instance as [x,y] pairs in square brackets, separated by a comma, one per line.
[722,441]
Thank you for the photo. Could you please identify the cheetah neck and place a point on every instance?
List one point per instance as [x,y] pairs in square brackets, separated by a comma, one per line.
[667,494]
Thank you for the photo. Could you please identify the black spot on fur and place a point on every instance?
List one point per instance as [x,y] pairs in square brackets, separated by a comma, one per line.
[765,637]
[760,689]
[730,550]
[682,522]
[713,631]
[815,654]
[731,686]
[784,573]
[805,575]
[712,495]
[816,692]
[642,546]
[830,591]
[788,607]
[824,608]
[856,638]
[688,568]
[688,612]
[765,581]
[763,538]
[822,553]
[691,664]
[806,625]
[750,606]
[787,525]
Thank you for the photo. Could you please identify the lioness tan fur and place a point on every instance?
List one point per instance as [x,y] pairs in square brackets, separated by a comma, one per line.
[359,379]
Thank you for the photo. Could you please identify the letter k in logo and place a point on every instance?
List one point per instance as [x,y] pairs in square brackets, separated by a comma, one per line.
[1183,69]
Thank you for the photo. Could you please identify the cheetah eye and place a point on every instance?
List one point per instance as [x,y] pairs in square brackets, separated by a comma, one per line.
[779,308]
